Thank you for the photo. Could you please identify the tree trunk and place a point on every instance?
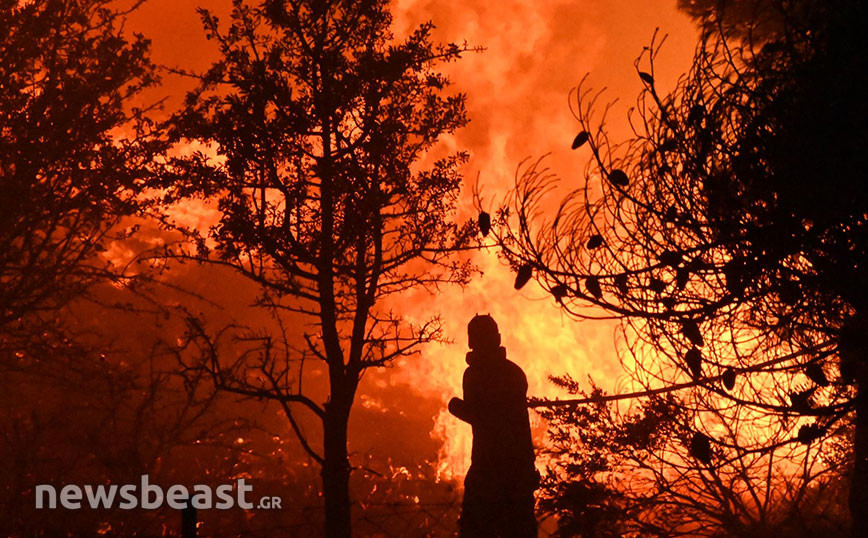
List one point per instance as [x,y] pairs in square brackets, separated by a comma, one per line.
[336,472]
[859,484]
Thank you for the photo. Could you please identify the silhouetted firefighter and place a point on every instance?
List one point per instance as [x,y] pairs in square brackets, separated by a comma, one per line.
[498,489]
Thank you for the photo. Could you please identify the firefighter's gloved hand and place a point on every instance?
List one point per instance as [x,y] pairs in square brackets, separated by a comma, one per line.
[458,408]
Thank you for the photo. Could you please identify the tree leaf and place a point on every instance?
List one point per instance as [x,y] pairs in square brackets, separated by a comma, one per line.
[690,329]
[484,223]
[815,373]
[559,292]
[729,379]
[700,447]
[525,272]
[595,241]
[693,359]
[809,433]
[618,178]
[592,284]
[801,401]
[580,139]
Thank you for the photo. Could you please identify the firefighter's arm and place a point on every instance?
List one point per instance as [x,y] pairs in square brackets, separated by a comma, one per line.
[466,409]
[459,409]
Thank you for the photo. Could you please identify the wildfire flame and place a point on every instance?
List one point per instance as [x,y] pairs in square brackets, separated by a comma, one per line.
[517,91]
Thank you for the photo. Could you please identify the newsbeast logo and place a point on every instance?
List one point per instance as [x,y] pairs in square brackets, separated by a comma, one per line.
[150,496]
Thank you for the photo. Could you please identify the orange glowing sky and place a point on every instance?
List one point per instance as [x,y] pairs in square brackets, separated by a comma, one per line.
[517,102]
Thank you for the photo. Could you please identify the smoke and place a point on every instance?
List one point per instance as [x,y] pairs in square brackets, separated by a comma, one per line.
[517,101]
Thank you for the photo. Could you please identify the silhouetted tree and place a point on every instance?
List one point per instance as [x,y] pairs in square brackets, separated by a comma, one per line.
[73,154]
[640,471]
[752,22]
[73,417]
[319,119]
[729,234]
